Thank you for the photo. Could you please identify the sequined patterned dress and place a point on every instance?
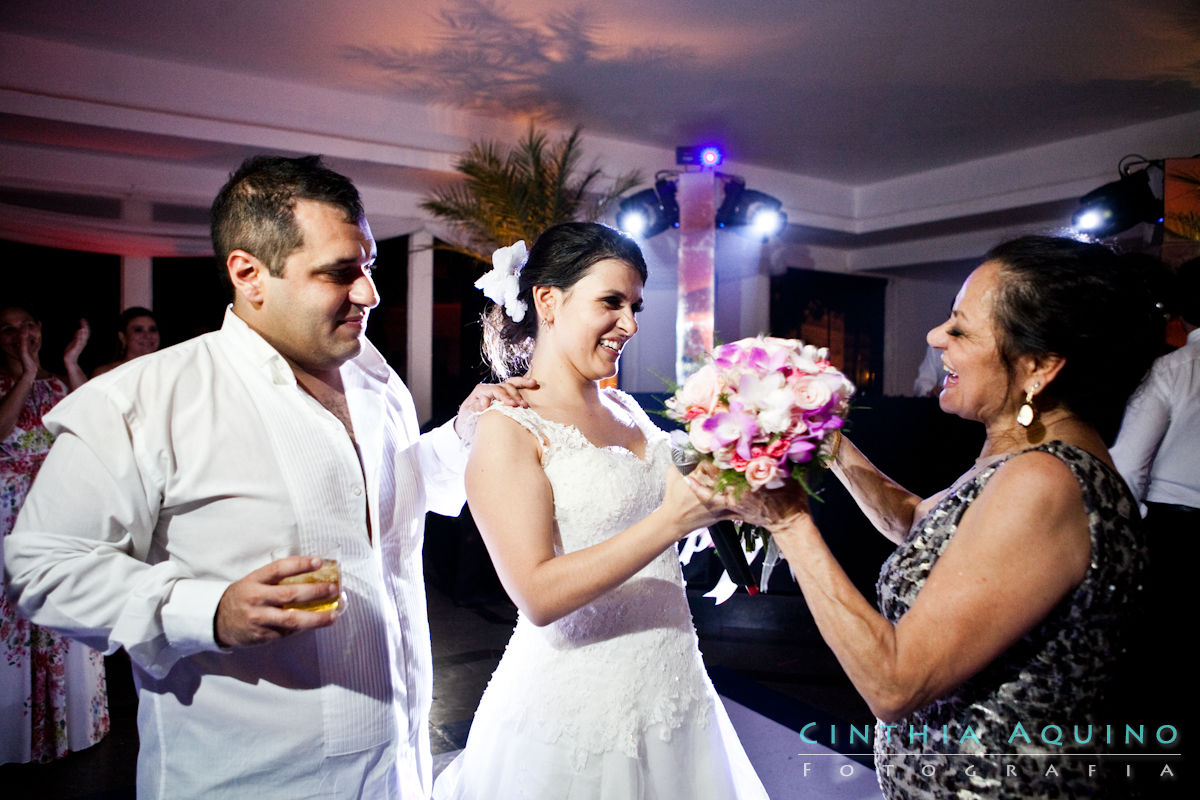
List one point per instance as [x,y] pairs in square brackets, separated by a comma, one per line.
[53,697]
[612,700]
[1060,674]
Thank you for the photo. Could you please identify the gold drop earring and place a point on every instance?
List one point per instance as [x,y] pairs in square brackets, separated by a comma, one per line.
[1026,413]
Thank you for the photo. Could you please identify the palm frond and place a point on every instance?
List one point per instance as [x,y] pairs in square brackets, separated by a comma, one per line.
[516,193]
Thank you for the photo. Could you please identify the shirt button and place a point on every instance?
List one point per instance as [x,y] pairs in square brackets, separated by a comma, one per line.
[357,491]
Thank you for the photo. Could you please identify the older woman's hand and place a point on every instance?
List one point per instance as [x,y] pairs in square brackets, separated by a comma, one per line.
[774,509]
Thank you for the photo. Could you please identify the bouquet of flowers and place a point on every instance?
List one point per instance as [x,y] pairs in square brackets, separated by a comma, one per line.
[763,410]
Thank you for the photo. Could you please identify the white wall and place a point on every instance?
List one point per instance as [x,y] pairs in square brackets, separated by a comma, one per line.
[648,360]
[912,307]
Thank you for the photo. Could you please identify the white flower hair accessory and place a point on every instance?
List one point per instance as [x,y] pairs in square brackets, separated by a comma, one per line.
[501,284]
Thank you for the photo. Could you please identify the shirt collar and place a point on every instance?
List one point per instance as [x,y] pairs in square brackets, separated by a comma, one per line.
[265,357]
[1193,336]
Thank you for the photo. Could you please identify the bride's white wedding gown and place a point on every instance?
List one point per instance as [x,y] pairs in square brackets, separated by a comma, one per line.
[612,700]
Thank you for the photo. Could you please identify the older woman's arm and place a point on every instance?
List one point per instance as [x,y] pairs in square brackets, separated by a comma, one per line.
[1019,549]
[14,401]
[888,505]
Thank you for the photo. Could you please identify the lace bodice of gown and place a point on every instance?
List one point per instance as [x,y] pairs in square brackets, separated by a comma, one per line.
[627,662]
[1057,674]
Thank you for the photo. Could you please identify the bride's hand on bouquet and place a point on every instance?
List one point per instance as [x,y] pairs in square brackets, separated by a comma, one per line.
[773,509]
[688,508]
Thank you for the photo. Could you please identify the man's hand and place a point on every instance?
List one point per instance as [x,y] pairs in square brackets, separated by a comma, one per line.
[251,610]
[508,393]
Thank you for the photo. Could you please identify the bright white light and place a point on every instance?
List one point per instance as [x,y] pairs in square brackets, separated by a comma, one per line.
[766,222]
[710,156]
[1089,220]
[633,223]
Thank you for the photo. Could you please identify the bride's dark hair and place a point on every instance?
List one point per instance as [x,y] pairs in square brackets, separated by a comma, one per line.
[560,257]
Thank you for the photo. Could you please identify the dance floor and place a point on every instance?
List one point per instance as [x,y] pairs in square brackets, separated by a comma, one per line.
[791,684]
[789,767]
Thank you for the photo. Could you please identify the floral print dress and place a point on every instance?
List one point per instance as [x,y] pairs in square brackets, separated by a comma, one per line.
[53,697]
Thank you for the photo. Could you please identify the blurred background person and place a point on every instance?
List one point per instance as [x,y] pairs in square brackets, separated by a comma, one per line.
[53,696]
[137,335]
[1158,447]
[1012,594]
[1158,454]
[929,374]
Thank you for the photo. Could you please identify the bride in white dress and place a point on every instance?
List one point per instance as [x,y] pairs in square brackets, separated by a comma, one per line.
[601,692]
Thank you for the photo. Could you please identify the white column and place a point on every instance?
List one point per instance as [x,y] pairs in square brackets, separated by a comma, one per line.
[137,282]
[419,342]
[137,273]
[696,194]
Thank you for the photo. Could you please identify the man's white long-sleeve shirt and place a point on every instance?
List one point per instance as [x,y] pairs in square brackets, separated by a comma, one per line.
[178,474]
[1158,448]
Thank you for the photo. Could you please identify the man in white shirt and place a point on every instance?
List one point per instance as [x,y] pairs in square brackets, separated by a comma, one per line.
[1158,453]
[173,478]
[1158,448]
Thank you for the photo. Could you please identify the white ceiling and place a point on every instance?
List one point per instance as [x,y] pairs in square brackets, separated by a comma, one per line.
[897,132]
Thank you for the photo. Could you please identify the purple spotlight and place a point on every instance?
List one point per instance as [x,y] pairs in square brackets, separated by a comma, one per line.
[707,156]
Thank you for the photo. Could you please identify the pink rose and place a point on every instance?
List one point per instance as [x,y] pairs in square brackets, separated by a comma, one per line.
[778,448]
[701,391]
[763,471]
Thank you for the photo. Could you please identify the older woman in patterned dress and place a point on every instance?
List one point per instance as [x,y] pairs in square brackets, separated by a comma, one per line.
[53,697]
[1011,593]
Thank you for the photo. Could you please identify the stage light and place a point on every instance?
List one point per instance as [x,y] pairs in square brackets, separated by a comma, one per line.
[705,156]
[745,211]
[734,187]
[632,220]
[1088,220]
[1117,206]
[750,212]
[664,187]
[649,212]
[767,222]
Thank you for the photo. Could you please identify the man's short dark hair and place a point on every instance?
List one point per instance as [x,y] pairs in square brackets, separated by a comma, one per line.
[254,211]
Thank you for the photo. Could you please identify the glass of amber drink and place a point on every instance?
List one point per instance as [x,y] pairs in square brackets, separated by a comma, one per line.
[328,572]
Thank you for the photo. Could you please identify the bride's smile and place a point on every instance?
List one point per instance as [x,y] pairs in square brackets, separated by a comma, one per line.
[587,326]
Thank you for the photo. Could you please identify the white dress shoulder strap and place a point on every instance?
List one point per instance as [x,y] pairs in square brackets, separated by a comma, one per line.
[545,432]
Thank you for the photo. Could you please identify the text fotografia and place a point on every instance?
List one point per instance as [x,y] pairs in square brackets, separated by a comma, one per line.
[1008,769]
[1067,735]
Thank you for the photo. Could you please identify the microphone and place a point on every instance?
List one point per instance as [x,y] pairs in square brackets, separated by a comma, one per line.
[684,460]
[725,537]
